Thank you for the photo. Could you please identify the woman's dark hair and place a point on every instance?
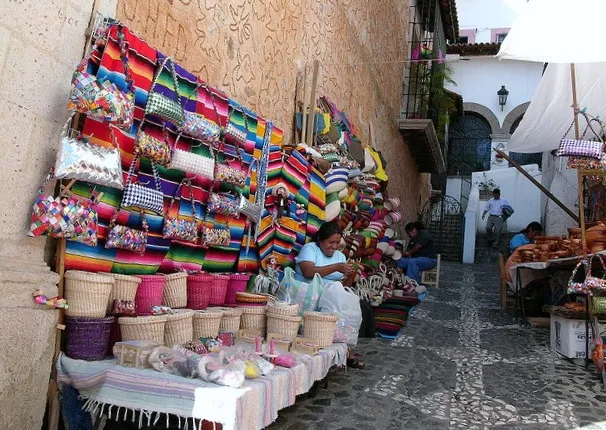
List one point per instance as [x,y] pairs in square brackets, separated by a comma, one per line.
[417,224]
[533,226]
[326,230]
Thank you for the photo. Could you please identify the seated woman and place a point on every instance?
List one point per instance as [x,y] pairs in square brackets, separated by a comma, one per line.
[526,236]
[420,254]
[322,256]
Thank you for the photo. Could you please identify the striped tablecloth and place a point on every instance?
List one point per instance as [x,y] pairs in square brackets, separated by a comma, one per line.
[116,390]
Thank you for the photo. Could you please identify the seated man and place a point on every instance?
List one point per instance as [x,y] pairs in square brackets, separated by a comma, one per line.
[526,236]
[420,254]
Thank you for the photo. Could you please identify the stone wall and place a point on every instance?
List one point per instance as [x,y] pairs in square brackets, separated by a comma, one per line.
[255,50]
[40,45]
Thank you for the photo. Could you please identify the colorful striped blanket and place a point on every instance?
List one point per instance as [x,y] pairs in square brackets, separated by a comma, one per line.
[119,391]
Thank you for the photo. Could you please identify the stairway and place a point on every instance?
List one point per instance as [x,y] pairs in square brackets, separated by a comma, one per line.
[487,254]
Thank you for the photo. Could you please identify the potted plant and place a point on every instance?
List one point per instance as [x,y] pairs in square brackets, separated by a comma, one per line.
[486,186]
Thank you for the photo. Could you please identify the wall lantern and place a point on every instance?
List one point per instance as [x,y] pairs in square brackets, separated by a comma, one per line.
[502,93]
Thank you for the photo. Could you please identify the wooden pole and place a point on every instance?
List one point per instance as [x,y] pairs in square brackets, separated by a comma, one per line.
[577,134]
[312,105]
[538,185]
[304,110]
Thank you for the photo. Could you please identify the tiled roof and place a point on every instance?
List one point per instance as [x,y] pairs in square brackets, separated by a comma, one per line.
[450,19]
[473,49]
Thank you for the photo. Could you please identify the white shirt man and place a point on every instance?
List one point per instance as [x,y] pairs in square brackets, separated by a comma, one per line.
[494,225]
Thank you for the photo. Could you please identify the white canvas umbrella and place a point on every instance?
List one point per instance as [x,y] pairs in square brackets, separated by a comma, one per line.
[559,31]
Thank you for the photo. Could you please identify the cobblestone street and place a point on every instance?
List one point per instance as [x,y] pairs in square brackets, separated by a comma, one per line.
[460,363]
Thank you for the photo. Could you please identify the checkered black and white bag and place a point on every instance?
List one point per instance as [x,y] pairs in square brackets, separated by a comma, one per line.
[159,105]
[137,195]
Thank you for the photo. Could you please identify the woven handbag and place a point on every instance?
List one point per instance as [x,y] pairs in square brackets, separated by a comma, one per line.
[159,105]
[189,162]
[224,204]
[199,127]
[154,149]
[80,159]
[594,284]
[581,148]
[575,286]
[252,211]
[233,134]
[63,217]
[228,174]
[137,195]
[123,237]
[103,101]
[178,228]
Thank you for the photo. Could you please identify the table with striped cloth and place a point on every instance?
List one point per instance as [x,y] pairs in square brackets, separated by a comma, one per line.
[119,391]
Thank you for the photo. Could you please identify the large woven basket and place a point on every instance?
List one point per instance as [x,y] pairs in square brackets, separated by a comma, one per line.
[175,290]
[198,290]
[253,318]
[125,288]
[218,290]
[237,284]
[250,299]
[284,309]
[206,323]
[283,324]
[230,321]
[179,327]
[87,293]
[143,328]
[149,293]
[87,338]
[319,327]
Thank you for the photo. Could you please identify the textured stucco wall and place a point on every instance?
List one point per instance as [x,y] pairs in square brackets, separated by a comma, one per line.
[255,49]
[40,45]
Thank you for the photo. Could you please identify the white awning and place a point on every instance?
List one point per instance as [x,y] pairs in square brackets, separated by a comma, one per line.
[550,112]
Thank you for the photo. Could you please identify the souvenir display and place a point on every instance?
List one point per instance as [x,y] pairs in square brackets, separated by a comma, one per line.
[223,204]
[189,162]
[199,127]
[156,150]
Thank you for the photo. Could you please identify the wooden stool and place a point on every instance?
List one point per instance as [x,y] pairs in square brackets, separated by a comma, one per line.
[432,276]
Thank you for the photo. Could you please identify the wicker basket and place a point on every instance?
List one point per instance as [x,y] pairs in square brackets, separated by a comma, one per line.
[249,299]
[319,327]
[179,327]
[198,290]
[125,288]
[143,328]
[175,290]
[87,293]
[149,293]
[284,309]
[87,338]
[206,323]
[218,290]
[253,318]
[230,321]
[237,284]
[283,324]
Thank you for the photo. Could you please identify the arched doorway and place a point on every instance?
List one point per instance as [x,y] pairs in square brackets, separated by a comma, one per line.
[469,144]
[520,157]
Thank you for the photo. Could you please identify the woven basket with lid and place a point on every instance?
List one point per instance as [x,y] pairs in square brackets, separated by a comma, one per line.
[280,308]
[283,324]
[230,320]
[87,293]
[253,318]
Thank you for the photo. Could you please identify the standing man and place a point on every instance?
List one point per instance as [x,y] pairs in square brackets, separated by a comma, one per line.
[494,225]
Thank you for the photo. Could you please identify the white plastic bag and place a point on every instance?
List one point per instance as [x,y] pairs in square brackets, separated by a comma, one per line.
[345,303]
[305,295]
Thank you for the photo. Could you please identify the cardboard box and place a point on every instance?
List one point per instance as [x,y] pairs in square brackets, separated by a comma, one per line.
[568,336]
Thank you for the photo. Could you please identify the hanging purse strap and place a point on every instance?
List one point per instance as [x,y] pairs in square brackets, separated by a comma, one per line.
[574,272]
[171,67]
[187,182]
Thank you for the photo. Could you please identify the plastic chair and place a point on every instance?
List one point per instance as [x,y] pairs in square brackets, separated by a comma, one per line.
[431,277]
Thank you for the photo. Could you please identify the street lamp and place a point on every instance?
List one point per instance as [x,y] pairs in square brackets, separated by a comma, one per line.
[502,93]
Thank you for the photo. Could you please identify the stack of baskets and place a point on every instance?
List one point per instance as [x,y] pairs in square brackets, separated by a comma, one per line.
[230,319]
[199,290]
[143,328]
[237,284]
[282,319]
[218,290]
[319,328]
[179,327]
[87,328]
[149,293]
[125,288]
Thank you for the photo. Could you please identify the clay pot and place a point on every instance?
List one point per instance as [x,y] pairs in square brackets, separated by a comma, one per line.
[597,247]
